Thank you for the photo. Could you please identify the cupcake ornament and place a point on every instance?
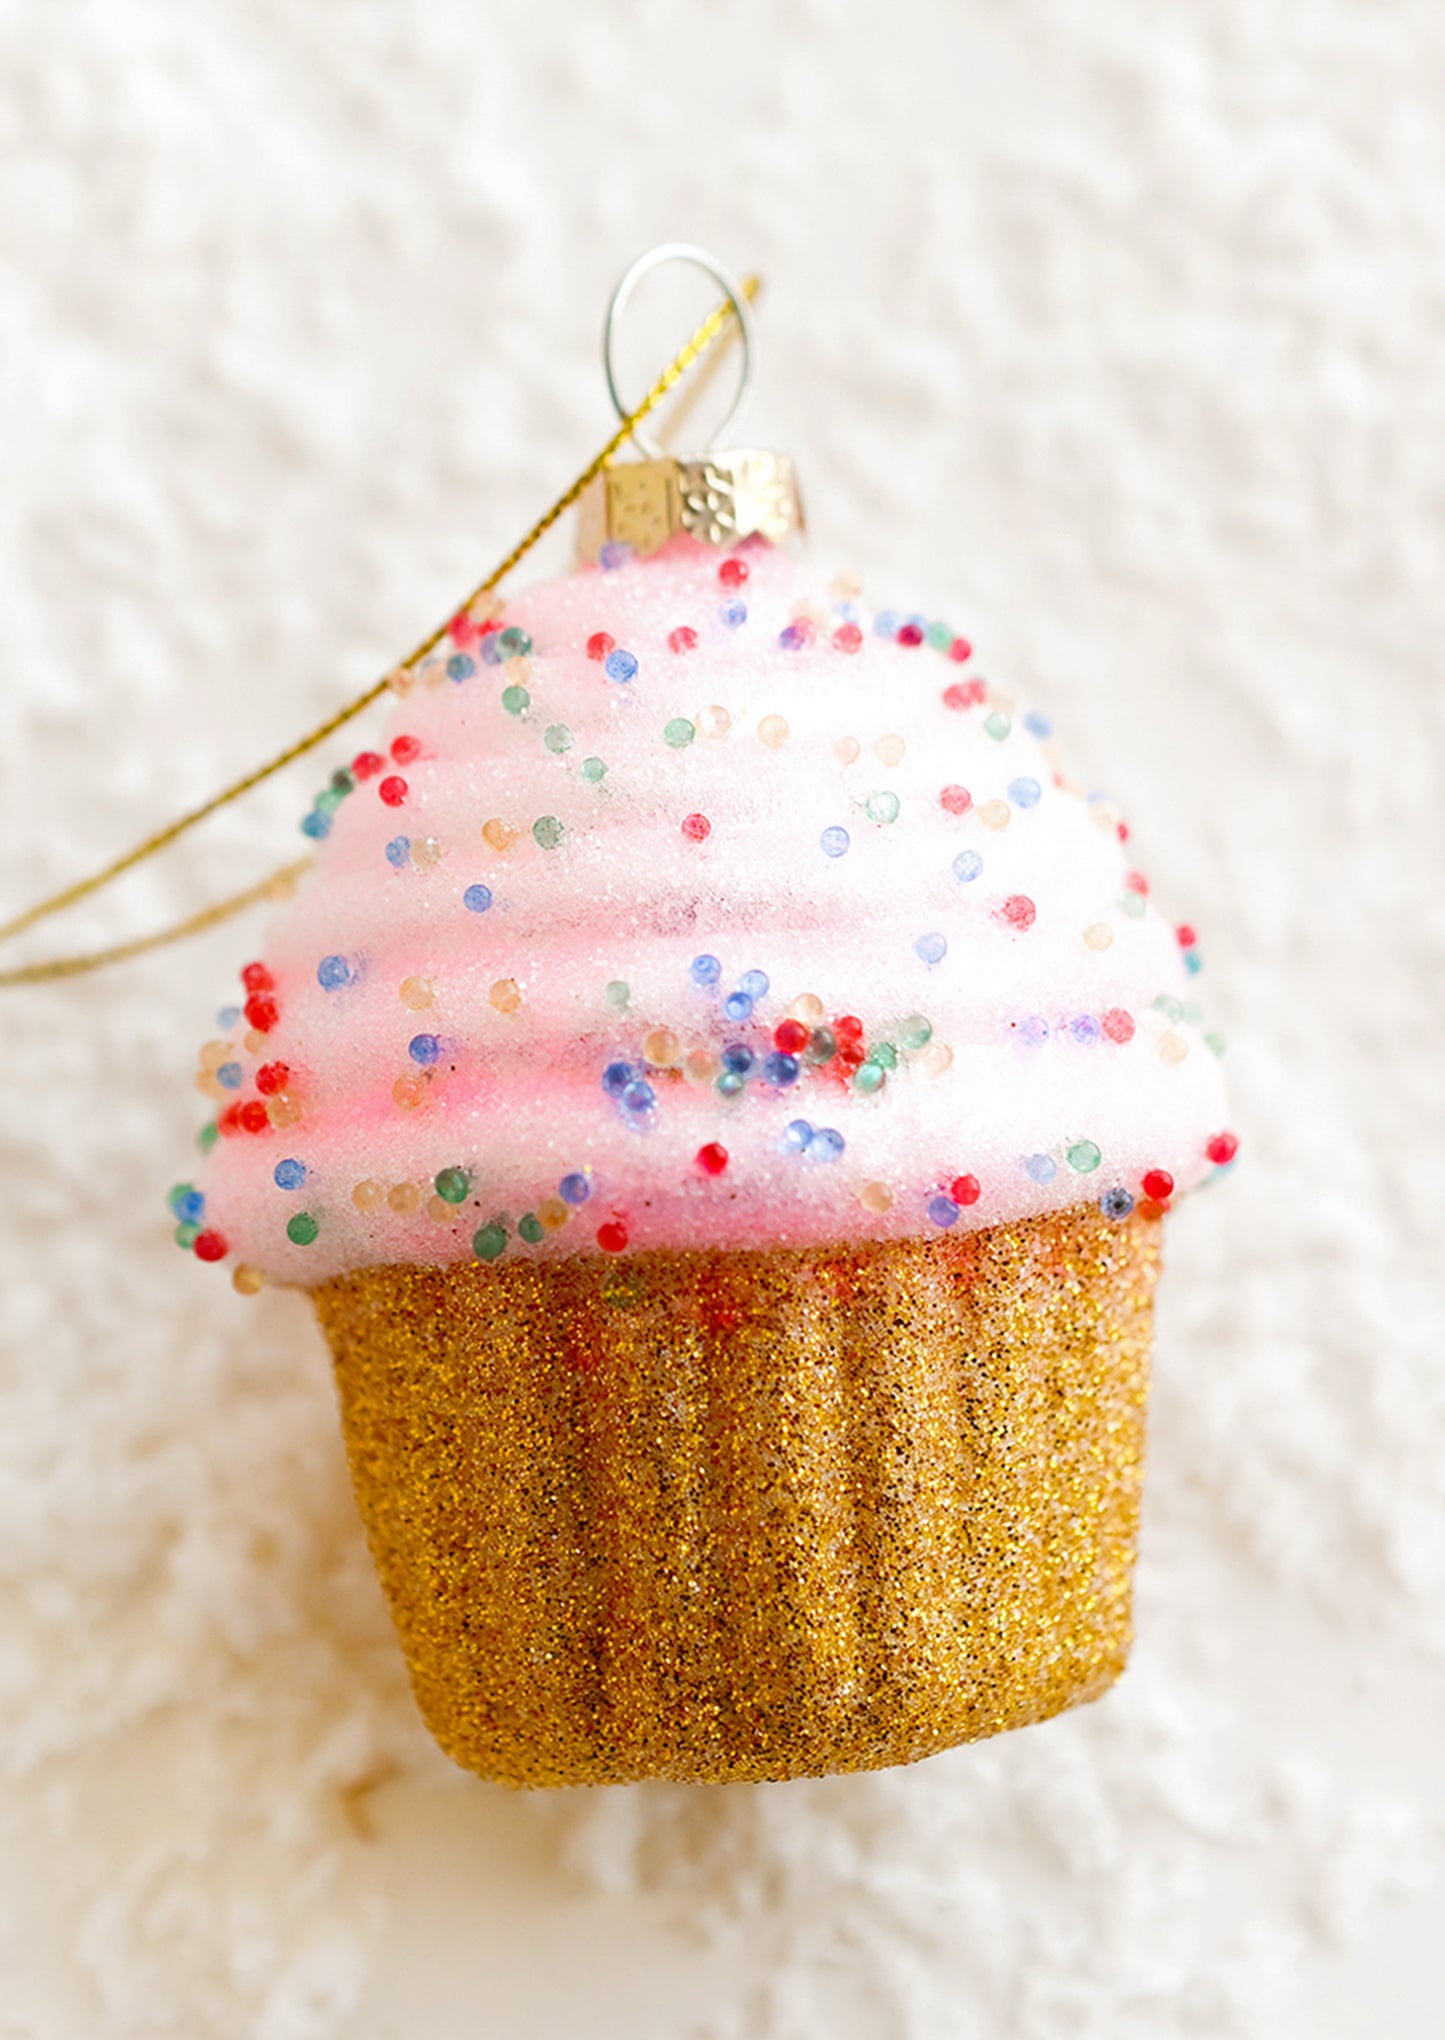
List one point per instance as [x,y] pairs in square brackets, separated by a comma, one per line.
[720,1084]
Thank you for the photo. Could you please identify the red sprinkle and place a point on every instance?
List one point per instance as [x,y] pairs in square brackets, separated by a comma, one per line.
[463,630]
[405,749]
[1135,881]
[910,634]
[393,790]
[1158,1185]
[262,1012]
[1148,1208]
[791,1036]
[1185,936]
[1123,832]
[599,645]
[847,1028]
[612,1237]
[253,1117]
[732,573]
[209,1246]
[366,764]
[1222,1147]
[696,828]
[847,638]
[956,799]
[683,639]
[229,1121]
[1019,910]
[712,1160]
[256,978]
[960,650]
[964,694]
[1117,1024]
[964,1190]
[272,1077]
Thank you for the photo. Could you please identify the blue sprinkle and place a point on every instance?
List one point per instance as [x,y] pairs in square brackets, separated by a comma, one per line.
[797,1136]
[228,1016]
[424,1049]
[943,1211]
[792,637]
[189,1207]
[460,666]
[755,983]
[1038,726]
[730,1083]
[738,1006]
[932,947]
[847,610]
[733,614]
[397,851]
[1034,1029]
[966,866]
[1193,962]
[477,898]
[639,1099]
[705,970]
[1024,793]
[1085,1029]
[827,1144]
[231,1075]
[887,623]
[613,555]
[1042,1168]
[834,841]
[331,972]
[289,1175]
[781,1070]
[738,1058]
[316,825]
[490,649]
[1116,1203]
[620,665]
[615,1078]
[574,1189]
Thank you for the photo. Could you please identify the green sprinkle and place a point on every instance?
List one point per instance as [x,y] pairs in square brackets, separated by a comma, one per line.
[885,1054]
[915,1031]
[997,725]
[548,831]
[1084,1157]
[869,1076]
[1132,904]
[515,643]
[209,1134]
[881,807]
[1215,1043]
[330,800]
[939,636]
[1169,1006]
[490,1242]
[558,738]
[617,995]
[593,769]
[530,1228]
[515,699]
[452,1186]
[343,779]
[679,733]
[187,1234]
[301,1229]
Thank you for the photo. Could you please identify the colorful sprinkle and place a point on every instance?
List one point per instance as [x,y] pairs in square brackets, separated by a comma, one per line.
[942,1211]
[696,828]
[1042,1168]
[1025,793]
[516,700]
[392,790]
[712,1159]
[1019,911]
[704,970]
[547,832]
[932,948]
[881,807]
[834,841]
[612,1237]
[600,644]
[558,738]
[683,639]
[679,733]
[489,1243]
[967,866]
[964,1190]
[301,1229]
[1222,1148]
[288,1175]
[452,1185]
[593,770]
[620,665]
[1116,1203]
[1084,1157]
[773,731]
[332,972]
[574,1189]
[1158,1184]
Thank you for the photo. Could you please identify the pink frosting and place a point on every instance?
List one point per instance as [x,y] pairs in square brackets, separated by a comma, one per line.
[1030,1026]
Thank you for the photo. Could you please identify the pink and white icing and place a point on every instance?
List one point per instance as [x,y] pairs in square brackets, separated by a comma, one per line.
[1015,1023]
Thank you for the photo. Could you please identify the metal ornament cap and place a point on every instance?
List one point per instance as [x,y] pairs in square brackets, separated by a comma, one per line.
[719,499]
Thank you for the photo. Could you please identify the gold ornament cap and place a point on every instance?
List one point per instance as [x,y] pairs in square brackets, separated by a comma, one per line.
[717,497]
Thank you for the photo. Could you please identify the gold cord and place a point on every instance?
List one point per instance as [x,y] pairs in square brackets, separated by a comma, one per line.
[719,318]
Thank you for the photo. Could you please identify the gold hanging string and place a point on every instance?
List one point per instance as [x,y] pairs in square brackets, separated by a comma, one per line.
[717,320]
[194,924]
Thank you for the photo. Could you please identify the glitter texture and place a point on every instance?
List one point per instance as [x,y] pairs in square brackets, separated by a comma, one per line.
[745,1515]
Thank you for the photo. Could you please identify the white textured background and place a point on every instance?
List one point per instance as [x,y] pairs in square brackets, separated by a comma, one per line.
[1116,331]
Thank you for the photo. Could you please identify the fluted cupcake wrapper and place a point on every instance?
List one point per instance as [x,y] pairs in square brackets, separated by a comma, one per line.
[747,1514]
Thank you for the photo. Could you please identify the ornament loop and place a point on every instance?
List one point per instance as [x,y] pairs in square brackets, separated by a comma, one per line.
[678,251]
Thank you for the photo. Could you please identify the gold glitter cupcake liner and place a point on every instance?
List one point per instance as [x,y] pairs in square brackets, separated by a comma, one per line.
[753,1514]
